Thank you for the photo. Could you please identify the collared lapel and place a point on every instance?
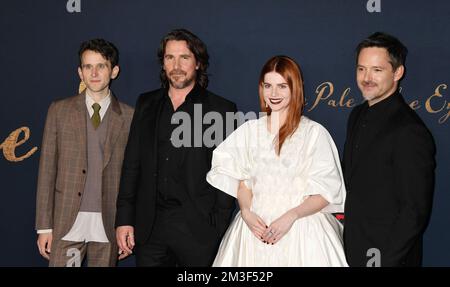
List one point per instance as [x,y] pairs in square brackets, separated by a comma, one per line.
[114,129]
[78,119]
[151,119]
[159,104]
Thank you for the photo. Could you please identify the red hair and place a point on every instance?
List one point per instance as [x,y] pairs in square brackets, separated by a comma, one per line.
[291,72]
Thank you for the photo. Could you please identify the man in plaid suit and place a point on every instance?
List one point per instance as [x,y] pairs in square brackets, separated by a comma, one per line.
[81,159]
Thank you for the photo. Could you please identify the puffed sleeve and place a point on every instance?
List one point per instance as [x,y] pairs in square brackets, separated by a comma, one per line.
[324,174]
[231,163]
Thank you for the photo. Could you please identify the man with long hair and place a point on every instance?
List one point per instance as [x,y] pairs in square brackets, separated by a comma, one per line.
[166,211]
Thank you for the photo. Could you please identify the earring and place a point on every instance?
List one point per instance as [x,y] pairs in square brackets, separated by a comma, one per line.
[267,105]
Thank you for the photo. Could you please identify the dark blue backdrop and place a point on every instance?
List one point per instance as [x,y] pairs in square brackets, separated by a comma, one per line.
[39,41]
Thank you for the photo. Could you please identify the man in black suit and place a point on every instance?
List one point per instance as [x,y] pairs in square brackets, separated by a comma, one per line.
[165,206]
[388,164]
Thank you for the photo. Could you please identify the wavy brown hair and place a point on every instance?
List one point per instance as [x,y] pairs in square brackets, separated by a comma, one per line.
[196,46]
[291,72]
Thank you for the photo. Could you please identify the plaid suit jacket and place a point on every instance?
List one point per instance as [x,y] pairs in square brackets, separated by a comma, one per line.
[63,164]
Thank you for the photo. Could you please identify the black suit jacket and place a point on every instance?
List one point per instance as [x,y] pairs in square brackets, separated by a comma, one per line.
[207,210]
[389,186]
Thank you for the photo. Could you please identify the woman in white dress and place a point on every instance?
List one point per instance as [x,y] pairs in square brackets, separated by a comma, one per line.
[284,169]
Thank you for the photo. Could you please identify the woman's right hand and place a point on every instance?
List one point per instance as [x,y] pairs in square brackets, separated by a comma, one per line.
[254,222]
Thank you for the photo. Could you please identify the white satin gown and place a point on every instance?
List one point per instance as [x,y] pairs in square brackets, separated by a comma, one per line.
[308,164]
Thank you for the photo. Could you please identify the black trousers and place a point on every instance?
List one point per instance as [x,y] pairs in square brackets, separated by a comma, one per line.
[173,244]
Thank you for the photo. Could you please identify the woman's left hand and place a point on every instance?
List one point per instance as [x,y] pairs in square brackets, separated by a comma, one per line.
[278,228]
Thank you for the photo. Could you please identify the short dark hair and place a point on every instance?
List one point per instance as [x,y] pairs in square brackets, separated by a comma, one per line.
[196,46]
[105,48]
[396,50]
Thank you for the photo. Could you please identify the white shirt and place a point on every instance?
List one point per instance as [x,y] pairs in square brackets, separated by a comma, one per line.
[88,226]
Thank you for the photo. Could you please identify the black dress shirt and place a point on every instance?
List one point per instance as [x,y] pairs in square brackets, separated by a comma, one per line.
[170,179]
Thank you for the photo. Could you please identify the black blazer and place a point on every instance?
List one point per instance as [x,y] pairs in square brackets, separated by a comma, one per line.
[208,210]
[389,186]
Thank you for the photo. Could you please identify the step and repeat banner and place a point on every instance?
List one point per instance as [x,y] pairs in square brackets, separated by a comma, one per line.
[38,64]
